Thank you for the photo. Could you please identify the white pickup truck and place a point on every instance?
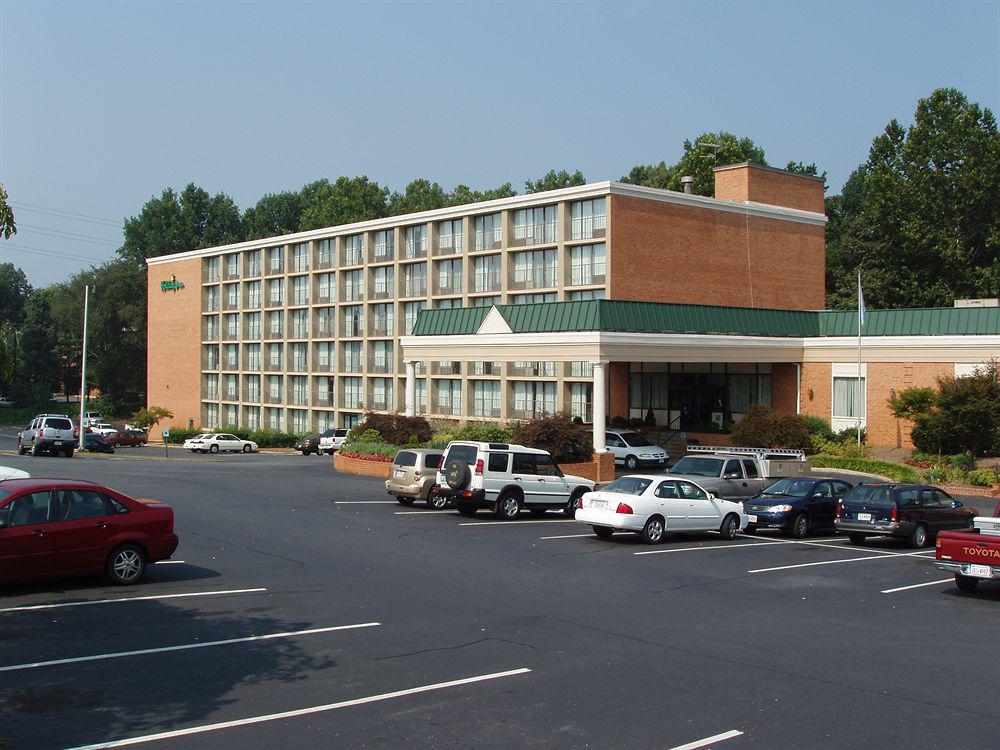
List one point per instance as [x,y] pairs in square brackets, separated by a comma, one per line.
[739,473]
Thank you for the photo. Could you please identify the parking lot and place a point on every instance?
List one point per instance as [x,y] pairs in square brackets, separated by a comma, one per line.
[304,608]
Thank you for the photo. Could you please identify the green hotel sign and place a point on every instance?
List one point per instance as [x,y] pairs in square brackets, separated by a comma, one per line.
[171,286]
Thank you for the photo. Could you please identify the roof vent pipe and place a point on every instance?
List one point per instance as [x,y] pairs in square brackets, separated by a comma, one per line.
[688,182]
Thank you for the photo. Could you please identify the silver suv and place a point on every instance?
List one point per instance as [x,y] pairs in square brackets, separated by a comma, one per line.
[52,433]
[506,478]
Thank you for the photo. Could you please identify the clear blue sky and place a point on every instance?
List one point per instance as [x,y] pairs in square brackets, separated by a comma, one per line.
[103,105]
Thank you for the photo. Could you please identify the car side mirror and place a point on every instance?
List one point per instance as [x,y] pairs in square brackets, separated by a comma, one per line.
[956,503]
[712,497]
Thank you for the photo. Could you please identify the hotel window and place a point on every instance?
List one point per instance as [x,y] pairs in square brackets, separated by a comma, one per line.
[353,393]
[300,357]
[324,321]
[233,326]
[253,417]
[449,236]
[253,388]
[382,393]
[300,420]
[212,415]
[534,399]
[232,415]
[486,398]
[382,280]
[848,398]
[233,266]
[581,369]
[300,290]
[324,391]
[252,323]
[212,357]
[274,394]
[275,291]
[324,287]
[354,285]
[274,323]
[484,301]
[324,253]
[212,386]
[415,242]
[232,387]
[354,250]
[275,260]
[415,280]
[382,356]
[275,419]
[449,276]
[232,296]
[587,219]
[448,304]
[422,395]
[487,273]
[300,324]
[212,299]
[586,294]
[385,245]
[488,231]
[253,263]
[300,390]
[232,356]
[486,368]
[536,369]
[533,226]
[746,389]
[410,312]
[353,359]
[324,357]
[381,317]
[581,401]
[300,257]
[587,264]
[213,269]
[350,420]
[274,355]
[449,396]
[211,327]
[354,320]
[253,293]
[531,299]
[648,390]
[535,269]
[252,352]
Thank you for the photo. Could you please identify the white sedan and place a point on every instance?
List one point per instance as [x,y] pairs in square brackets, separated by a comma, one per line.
[216,442]
[7,472]
[652,505]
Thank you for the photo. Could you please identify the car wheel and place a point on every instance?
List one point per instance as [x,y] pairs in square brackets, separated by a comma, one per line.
[36,449]
[730,527]
[246,448]
[856,539]
[69,453]
[467,510]
[919,537]
[21,450]
[404,500]
[631,463]
[603,532]
[304,452]
[508,506]
[652,532]
[213,449]
[570,509]
[126,565]
[966,583]
[116,445]
[800,526]
[436,501]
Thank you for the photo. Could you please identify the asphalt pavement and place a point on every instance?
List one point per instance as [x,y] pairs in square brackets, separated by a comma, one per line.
[304,608]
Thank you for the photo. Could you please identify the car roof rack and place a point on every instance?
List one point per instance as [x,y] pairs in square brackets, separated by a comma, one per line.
[761,453]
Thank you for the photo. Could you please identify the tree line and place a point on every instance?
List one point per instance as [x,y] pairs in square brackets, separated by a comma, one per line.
[920,218]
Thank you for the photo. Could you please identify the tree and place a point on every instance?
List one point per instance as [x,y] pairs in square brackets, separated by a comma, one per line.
[14,292]
[146,419]
[348,200]
[274,214]
[38,367]
[923,222]
[419,195]
[7,225]
[553,180]
[797,167]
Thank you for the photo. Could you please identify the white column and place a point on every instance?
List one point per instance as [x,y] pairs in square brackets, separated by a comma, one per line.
[411,389]
[600,408]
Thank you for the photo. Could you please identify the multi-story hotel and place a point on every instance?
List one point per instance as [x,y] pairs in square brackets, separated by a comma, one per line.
[305,331]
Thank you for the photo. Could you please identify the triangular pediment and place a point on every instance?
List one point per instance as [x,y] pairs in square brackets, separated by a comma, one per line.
[494,323]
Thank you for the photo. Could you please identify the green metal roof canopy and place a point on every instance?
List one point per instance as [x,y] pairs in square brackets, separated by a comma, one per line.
[662,317]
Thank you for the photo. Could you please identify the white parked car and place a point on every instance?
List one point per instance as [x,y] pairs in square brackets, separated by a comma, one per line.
[217,442]
[6,472]
[332,440]
[634,450]
[653,505]
[103,428]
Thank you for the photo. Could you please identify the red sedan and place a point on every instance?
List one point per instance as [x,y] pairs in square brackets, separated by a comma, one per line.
[56,528]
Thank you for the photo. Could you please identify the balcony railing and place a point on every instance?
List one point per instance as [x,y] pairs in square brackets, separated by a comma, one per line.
[321,398]
[251,395]
[381,329]
[482,411]
[272,366]
[450,286]
[380,365]
[382,291]
[446,368]
[351,401]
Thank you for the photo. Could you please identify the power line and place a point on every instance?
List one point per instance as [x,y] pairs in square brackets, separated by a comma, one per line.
[66,214]
[42,251]
[89,238]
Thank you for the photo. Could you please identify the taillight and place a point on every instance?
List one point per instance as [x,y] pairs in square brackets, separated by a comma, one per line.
[579,502]
[479,466]
[623,508]
[839,508]
[893,516]
[937,543]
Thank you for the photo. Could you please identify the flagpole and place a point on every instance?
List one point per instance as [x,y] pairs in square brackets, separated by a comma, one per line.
[862,401]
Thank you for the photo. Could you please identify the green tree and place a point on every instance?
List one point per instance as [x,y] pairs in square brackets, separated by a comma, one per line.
[274,214]
[14,292]
[38,367]
[419,195]
[7,225]
[463,194]
[146,419]
[923,221]
[349,199]
[553,180]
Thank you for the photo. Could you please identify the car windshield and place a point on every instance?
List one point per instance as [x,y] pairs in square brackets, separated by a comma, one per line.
[329,433]
[869,494]
[634,439]
[696,466]
[790,487]
[4,494]
[628,486]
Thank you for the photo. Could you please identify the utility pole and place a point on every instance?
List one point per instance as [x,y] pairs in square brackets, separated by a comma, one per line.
[83,366]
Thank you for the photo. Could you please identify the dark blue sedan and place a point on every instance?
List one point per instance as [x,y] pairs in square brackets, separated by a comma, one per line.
[796,505]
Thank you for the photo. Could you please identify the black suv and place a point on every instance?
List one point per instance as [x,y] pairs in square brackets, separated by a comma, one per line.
[914,512]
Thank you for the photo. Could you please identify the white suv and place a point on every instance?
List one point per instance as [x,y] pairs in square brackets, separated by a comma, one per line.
[332,440]
[506,478]
[47,432]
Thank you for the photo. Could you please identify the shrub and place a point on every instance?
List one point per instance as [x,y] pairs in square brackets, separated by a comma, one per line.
[485,432]
[818,427]
[179,434]
[983,477]
[934,475]
[850,435]
[650,420]
[761,427]
[148,418]
[895,472]
[619,421]
[635,422]
[559,436]
[370,436]
[373,451]
[393,428]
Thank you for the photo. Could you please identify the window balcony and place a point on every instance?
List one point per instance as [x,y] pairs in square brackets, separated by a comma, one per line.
[323,398]
[446,368]
[383,365]
[484,411]
[381,329]
[251,395]
[450,286]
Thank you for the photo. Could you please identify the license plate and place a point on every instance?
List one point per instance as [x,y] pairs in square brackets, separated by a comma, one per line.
[603,504]
[399,473]
[58,442]
[752,519]
[864,516]
[980,571]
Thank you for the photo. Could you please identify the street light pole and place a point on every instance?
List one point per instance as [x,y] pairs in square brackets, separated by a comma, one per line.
[83,365]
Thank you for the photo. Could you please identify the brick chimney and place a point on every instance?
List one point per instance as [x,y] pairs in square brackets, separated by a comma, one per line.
[744,183]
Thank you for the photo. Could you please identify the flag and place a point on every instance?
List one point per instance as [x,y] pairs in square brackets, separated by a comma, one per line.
[861,302]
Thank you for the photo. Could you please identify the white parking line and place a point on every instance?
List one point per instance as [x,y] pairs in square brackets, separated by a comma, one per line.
[714,546]
[32,607]
[301,711]
[365,502]
[837,562]
[429,511]
[507,523]
[170,562]
[917,586]
[184,647]
[709,740]
[568,536]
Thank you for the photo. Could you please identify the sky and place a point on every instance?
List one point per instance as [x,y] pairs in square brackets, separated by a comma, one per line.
[104,105]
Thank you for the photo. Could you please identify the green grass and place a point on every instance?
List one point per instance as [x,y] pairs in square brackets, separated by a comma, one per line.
[896,472]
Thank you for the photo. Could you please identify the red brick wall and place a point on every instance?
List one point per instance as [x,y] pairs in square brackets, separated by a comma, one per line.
[774,187]
[618,381]
[817,377]
[783,384]
[664,252]
[885,377]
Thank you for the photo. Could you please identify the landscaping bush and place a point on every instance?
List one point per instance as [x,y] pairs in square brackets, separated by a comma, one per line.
[934,475]
[559,436]
[983,477]
[895,472]
[485,432]
[850,435]
[179,434]
[761,427]
[394,428]
[818,427]
[619,421]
